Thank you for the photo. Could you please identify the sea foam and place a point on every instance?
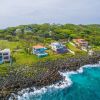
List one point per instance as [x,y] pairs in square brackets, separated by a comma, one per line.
[25,94]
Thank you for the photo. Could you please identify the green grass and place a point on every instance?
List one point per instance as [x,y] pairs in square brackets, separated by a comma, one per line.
[53,55]
[24,58]
[6,44]
[96,48]
[73,48]
[20,57]
[3,68]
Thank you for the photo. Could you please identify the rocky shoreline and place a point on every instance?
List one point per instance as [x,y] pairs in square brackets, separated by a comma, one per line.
[16,82]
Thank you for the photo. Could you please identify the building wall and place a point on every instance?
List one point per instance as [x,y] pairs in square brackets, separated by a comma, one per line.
[5,56]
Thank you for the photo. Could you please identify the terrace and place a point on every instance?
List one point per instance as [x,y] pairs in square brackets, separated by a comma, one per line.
[39,51]
[80,42]
[58,47]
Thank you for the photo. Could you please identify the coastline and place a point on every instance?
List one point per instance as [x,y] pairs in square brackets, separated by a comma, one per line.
[60,85]
[53,76]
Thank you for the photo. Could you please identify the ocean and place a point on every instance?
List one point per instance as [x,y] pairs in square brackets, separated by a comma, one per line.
[84,84]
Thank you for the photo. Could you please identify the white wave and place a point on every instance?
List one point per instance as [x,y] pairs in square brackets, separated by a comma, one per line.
[26,93]
[80,70]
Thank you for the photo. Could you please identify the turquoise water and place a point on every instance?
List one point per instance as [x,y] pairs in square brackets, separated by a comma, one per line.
[85,86]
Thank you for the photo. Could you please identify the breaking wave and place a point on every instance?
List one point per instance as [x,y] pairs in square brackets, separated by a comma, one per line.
[25,94]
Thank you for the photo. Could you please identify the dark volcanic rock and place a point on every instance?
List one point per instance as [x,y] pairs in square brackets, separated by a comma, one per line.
[15,81]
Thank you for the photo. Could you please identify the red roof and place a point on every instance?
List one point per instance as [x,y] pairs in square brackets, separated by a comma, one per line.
[38,47]
[80,40]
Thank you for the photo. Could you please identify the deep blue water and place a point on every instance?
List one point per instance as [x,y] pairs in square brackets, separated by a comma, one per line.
[85,86]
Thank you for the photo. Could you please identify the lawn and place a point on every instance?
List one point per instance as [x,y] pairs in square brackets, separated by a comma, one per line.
[96,48]
[23,58]
[73,48]
[6,44]
[20,57]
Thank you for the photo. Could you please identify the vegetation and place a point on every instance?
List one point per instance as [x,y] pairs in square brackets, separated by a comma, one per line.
[20,40]
[73,48]
[27,69]
[48,32]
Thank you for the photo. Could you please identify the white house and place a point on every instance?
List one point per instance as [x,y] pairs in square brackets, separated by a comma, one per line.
[58,47]
[4,55]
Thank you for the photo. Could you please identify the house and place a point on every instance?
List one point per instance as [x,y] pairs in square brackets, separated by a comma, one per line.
[58,47]
[4,55]
[81,43]
[39,50]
